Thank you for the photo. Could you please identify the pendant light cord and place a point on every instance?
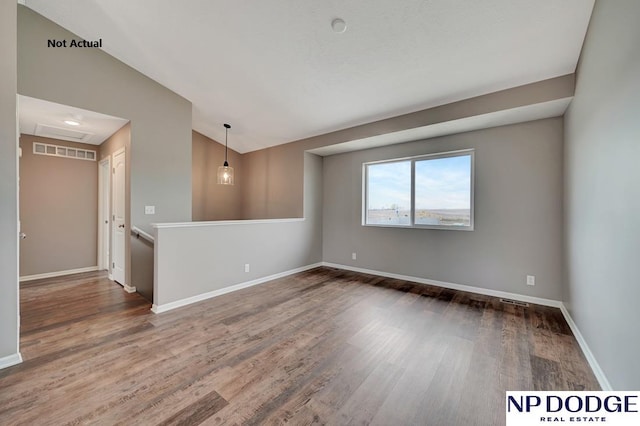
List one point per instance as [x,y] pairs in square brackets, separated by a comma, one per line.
[226,137]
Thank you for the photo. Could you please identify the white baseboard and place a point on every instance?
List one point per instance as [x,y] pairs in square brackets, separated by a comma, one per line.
[10,360]
[453,286]
[58,273]
[204,296]
[591,359]
[129,289]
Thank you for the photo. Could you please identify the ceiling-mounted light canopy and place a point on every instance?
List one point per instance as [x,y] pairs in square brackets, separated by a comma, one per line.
[225,172]
[75,120]
[338,25]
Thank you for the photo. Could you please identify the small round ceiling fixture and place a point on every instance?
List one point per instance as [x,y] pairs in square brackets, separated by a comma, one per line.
[338,25]
[74,120]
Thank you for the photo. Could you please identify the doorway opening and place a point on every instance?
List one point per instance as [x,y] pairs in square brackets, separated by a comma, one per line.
[68,188]
[66,192]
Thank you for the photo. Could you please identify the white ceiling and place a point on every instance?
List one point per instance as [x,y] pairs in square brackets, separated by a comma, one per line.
[276,71]
[47,119]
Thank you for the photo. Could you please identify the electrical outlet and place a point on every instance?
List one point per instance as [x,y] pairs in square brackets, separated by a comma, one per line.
[531,280]
[149,209]
[247,267]
[354,256]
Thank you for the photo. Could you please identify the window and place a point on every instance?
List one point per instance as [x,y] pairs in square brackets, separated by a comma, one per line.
[431,191]
[61,151]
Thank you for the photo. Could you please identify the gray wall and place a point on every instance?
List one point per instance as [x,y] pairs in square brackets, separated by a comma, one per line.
[8,183]
[273,188]
[91,79]
[518,214]
[602,192]
[218,251]
[142,275]
[118,140]
[210,200]
[58,209]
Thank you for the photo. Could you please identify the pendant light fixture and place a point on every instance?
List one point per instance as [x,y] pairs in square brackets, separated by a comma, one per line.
[225,173]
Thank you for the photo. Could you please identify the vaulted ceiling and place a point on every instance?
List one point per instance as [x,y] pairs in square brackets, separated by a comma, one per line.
[277,71]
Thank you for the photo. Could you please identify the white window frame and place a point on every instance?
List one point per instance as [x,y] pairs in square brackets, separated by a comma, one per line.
[413,160]
[63,151]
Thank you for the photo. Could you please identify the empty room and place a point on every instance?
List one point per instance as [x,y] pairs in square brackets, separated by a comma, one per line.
[386,213]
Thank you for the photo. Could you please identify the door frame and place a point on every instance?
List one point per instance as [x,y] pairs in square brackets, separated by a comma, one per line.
[104,214]
[114,192]
[18,358]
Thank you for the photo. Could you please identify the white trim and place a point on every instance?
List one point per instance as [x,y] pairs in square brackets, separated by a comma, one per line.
[10,360]
[434,156]
[143,234]
[58,273]
[412,208]
[591,359]
[453,286]
[157,309]
[18,228]
[104,203]
[224,223]
[129,289]
[65,149]
[112,228]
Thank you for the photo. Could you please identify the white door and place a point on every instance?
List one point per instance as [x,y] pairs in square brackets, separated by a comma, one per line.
[118,225]
[104,213]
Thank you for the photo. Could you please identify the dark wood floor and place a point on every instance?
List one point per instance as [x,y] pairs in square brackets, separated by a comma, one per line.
[320,347]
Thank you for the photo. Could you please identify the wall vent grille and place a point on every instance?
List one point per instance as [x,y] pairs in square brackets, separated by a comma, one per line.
[514,302]
[40,148]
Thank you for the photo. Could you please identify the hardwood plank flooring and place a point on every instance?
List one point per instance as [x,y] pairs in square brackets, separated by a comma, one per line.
[321,347]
